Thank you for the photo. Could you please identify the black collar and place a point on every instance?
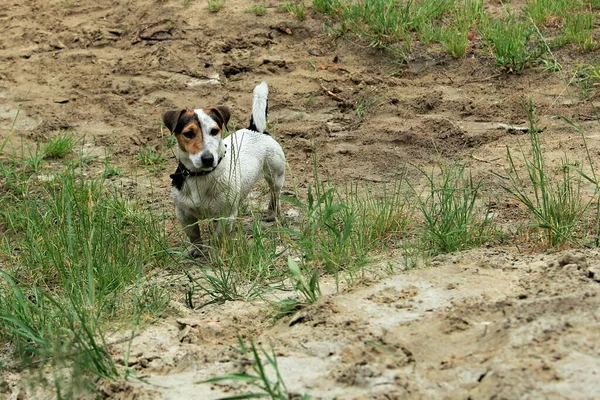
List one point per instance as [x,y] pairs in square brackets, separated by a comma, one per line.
[182,173]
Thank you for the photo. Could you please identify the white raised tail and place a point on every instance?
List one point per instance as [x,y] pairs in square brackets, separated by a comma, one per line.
[258,122]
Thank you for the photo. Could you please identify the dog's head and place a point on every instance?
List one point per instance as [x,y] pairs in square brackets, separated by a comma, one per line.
[199,133]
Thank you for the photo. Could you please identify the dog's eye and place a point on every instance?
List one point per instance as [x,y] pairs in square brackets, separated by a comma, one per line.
[214,132]
[189,134]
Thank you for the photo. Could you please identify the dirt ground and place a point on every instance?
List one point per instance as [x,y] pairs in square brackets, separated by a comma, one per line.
[489,323]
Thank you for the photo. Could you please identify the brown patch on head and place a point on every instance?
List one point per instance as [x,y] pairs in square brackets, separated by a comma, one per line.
[190,139]
[220,115]
[186,129]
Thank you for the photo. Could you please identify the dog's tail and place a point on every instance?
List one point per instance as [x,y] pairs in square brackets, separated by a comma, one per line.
[258,121]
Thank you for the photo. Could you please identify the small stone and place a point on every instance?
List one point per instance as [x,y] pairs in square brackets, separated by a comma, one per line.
[570,267]
[115,31]
[274,60]
[570,258]
[57,44]
[183,322]
[211,79]
[292,213]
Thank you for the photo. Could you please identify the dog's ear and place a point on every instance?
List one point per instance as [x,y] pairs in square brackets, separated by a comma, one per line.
[170,119]
[220,115]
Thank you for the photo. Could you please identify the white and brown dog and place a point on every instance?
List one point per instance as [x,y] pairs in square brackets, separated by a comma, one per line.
[215,175]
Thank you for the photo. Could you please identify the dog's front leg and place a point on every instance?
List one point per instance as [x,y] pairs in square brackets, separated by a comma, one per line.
[225,226]
[192,230]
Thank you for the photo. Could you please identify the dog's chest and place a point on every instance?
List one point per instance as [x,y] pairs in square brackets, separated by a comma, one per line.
[203,198]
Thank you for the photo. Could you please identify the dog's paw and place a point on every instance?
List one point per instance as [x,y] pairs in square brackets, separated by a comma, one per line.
[196,251]
[270,217]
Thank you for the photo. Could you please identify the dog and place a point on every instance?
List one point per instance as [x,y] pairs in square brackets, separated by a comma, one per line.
[215,174]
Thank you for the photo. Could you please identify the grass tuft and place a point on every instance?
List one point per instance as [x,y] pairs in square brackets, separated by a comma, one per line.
[452,219]
[512,45]
[340,229]
[308,288]
[578,29]
[543,12]
[151,158]
[59,146]
[260,376]
[214,6]
[258,9]
[554,199]
[366,102]
[297,8]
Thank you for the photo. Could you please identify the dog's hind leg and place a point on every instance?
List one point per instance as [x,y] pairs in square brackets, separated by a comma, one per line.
[275,179]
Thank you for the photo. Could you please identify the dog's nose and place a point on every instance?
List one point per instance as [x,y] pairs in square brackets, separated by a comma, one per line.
[207,159]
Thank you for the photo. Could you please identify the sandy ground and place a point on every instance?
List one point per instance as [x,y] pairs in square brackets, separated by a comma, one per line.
[493,323]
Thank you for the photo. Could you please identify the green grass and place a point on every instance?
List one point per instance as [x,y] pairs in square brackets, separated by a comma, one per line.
[382,23]
[337,232]
[59,146]
[297,8]
[306,283]
[151,158]
[553,198]
[69,250]
[327,7]
[429,33]
[454,41]
[341,228]
[513,44]
[578,30]
[452,219]
[214,6]
[542,11]
[366,102]
[396,26]
[239,267]
[110,170]
[258,9]
[587,76]
[259,377]
[33,159]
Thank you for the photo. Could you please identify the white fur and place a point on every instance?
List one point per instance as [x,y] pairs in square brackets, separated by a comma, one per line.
[259,106]
[247,156]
